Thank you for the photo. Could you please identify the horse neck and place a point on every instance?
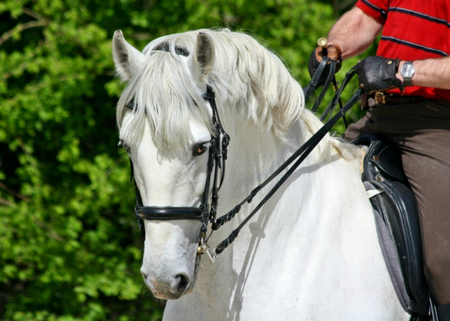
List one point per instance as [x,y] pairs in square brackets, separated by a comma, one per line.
[254,155]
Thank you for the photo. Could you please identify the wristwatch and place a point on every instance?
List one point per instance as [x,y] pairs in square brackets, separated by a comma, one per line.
[407,71]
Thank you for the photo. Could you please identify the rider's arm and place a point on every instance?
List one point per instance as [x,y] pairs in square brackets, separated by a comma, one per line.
[430,73]
[354,32]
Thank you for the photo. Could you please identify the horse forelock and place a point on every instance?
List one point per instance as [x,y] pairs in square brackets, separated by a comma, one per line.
[247,78]
[164,95]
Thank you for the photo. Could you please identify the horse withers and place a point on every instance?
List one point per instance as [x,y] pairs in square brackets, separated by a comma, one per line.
[311,253]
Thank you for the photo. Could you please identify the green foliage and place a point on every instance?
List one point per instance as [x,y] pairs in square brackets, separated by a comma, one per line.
[70,245]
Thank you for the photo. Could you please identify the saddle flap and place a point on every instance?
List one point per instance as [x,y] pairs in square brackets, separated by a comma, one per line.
[397,205]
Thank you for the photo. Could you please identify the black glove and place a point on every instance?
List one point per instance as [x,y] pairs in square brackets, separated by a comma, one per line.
[333,52]
[378,74]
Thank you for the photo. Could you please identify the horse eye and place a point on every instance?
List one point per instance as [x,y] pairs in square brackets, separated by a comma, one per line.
[125,146]
[199,149]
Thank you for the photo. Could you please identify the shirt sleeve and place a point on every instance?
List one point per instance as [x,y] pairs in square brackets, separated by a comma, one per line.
[377,9]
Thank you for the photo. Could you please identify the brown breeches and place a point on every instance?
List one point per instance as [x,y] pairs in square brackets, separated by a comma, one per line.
[422,132]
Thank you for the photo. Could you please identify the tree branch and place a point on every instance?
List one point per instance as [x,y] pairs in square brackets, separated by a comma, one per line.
[22,27]
[32,13]
[13,193]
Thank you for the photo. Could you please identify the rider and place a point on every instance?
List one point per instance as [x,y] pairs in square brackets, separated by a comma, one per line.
[408,101]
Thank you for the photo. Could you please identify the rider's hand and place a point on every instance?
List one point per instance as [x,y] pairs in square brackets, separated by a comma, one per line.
[333,52]
[378,74]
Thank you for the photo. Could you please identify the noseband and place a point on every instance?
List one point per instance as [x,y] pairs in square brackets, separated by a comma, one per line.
[216,160]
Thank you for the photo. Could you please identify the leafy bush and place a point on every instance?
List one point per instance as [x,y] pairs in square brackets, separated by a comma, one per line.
[70,248]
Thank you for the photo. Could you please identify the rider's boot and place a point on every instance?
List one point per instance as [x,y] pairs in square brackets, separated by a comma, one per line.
[443,312]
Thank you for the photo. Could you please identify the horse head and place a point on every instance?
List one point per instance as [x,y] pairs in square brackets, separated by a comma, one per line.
[167,134]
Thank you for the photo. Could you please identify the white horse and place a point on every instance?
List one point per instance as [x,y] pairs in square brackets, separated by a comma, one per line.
[311,253]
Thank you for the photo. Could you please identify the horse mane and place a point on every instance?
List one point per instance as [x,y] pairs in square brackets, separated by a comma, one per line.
[246,76]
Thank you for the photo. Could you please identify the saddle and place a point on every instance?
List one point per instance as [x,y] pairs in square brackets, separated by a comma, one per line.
[397,220]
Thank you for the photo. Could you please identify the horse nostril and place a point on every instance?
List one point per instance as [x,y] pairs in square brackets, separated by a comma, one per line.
[182,282]
[144,275]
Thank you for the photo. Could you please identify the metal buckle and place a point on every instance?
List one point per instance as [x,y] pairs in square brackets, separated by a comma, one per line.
[203,248]
[380,98]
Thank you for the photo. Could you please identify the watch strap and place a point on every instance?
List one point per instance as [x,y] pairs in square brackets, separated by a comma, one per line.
[407,78]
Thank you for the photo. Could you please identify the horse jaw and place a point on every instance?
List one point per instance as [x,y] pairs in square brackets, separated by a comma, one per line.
[127,59]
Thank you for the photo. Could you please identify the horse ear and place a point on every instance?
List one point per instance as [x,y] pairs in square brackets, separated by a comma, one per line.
[202,60]
[126,58]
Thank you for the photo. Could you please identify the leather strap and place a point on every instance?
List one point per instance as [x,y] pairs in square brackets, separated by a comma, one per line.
[169,213]
[399,100]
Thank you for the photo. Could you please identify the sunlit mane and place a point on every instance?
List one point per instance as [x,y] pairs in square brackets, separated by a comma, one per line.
[246,77]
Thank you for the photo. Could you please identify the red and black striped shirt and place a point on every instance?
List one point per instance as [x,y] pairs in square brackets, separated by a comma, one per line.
[413,30]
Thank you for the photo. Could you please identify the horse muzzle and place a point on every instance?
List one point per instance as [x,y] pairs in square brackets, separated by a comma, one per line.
[171,262]
[169,288]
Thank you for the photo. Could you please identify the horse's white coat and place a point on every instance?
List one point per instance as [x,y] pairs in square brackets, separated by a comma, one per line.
[311,253]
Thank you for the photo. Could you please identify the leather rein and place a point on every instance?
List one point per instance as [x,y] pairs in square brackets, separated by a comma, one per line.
[218,150]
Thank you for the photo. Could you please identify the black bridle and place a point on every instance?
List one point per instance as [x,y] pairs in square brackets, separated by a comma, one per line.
[217,157]
[216,160]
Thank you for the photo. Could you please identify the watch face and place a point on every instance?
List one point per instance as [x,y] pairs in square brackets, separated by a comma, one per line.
[407,70]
